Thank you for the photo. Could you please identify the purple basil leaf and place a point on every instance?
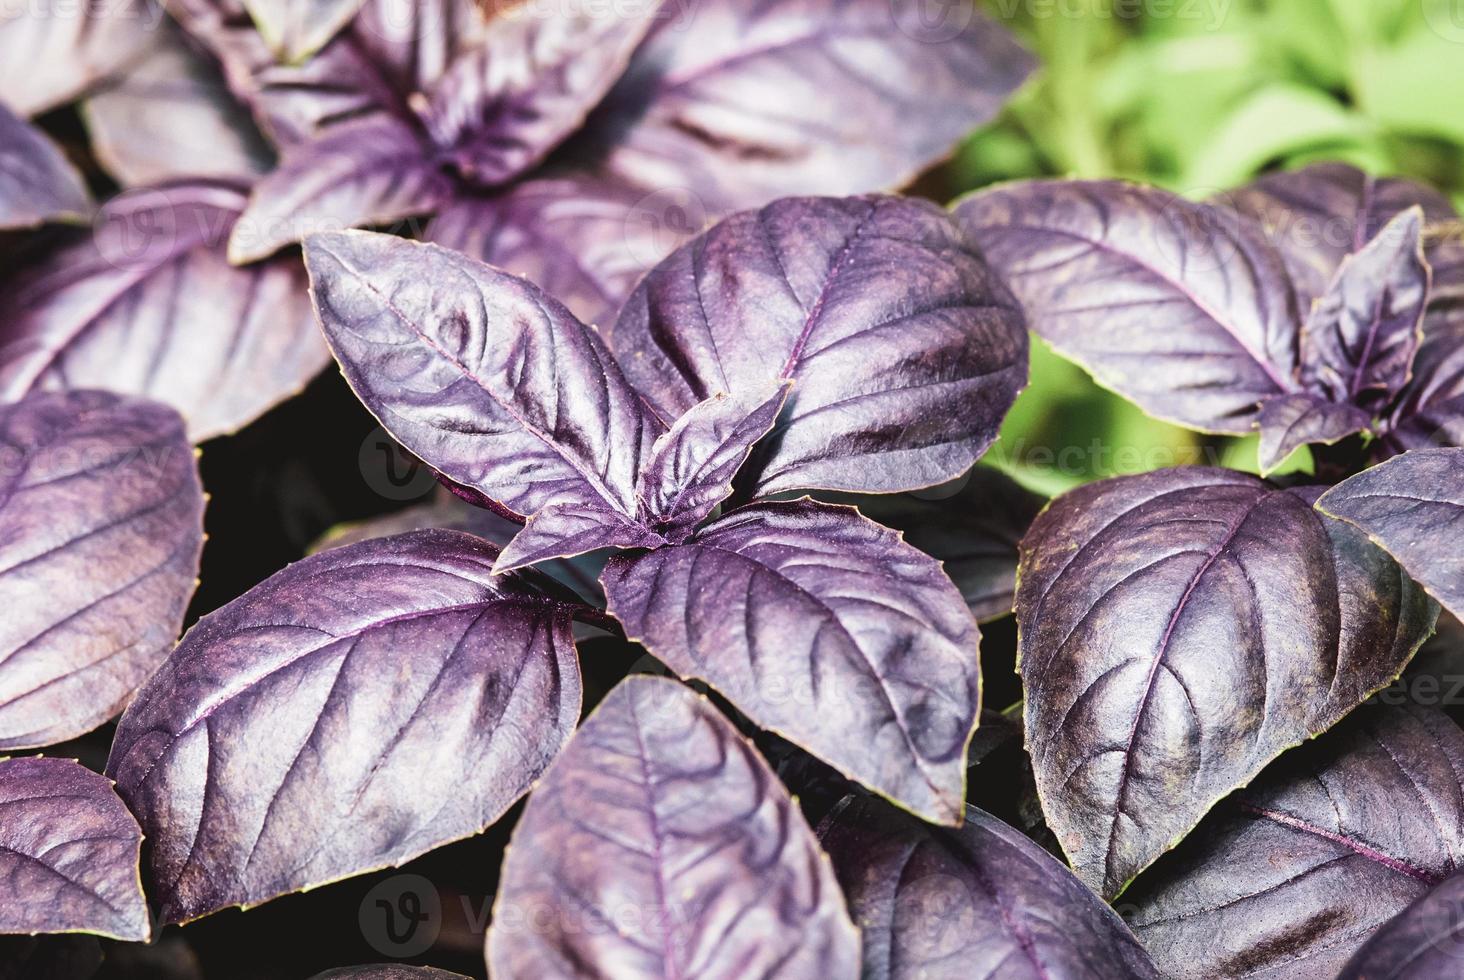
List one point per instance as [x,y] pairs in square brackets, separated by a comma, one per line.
[567,530]
[171,115]
[295,29]
[51,51]
[1288,422]
[1097,264]
[369,172]
[390,52]
[1423,942]
[661,845]
[583,240]
[480,374]
[743,102]
[904,348]
[690,468]
[387,971]
[503,106]
[68,853]
[826,628]
[580,574]
[1150,606]
[37,182]
[1319,215]
[975,902]
[1413,506]
[103,517]
[359,708]
[973,531]
[1430,410]
[1292,874]
[147,304]
[1358,341]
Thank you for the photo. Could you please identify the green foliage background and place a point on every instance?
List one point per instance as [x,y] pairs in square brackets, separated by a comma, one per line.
[1198,96]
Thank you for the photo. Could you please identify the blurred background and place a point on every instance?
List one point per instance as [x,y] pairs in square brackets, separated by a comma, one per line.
[1198,96]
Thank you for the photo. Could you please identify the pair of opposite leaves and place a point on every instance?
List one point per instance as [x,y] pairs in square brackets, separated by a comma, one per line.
[293,707]
[1182,628]
[660,844]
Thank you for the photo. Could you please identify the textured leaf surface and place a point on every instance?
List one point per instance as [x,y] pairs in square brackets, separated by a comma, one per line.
[690,468]
[826,628]
[503,106]
[171,115]
[51,51]
[904,349]
[743,103]
[1288,422]
[1180,629]
[148,305]
[973,532]
[1430,410]
[977,902]
[1359,339]
[480,374]
[1424,942]
[296,29]
[585,241]
[661,845]
[568,530]
[1290,876]
[364,705]
[103,516]
[1413,506]
[1319,215]
[68,853]
[37,182]
[368,172]
[1097,264]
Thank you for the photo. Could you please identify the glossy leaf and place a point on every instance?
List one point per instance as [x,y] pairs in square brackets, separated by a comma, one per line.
[1285,880]
[1288,422]
[68,853]
[51,51]
[484,377]
[690,468]
[37,182]
[1430,411]
[357,709]
[904,349]
[742,103]
[171,115]
[976,902]
[973,530]
[369,172]
[1179,630]
[659,845]
[583,240]
[1318,215]
[1359,339]
[1097,264]
[580,574]
[503,106]
[568,530]
[826,628]
[1422,943]
[148,305]
[103,516]
[1413,506]
[296,29]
